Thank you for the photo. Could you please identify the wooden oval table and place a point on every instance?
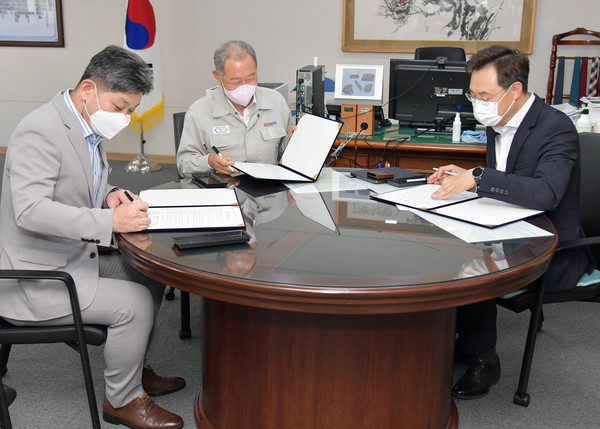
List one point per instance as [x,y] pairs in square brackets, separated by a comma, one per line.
[339,314]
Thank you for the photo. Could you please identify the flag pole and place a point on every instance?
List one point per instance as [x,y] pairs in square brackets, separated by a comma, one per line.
[142,163]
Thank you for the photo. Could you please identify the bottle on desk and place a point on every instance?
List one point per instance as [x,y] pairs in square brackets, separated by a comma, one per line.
[456,128]
[584,123]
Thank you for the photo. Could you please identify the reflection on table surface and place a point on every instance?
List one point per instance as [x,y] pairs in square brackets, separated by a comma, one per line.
[338,238]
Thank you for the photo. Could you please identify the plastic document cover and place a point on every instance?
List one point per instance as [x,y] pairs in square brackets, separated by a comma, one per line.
[304,155]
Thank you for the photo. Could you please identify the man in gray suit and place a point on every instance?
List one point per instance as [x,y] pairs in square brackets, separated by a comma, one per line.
[57,209]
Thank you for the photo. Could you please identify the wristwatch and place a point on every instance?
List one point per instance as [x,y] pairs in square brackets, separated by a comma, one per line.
[477,173]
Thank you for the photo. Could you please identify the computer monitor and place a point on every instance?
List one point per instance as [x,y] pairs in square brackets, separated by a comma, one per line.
[428,93]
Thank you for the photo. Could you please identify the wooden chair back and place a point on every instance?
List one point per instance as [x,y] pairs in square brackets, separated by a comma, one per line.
[558,39]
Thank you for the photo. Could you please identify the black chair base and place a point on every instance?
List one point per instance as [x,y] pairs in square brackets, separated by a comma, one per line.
[185,330]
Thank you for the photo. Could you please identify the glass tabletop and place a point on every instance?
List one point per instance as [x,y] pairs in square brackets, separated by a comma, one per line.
[339,239]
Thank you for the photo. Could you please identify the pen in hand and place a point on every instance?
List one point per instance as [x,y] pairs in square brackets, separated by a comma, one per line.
[129,196]
[449,173]
[222,157]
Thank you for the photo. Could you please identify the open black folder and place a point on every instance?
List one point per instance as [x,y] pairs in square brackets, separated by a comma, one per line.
[186,209]
[304,155]
[465,206]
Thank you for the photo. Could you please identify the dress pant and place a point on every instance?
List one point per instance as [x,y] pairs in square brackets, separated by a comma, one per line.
[476,327]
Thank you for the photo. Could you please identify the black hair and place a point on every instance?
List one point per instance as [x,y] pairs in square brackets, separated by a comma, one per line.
[119,70]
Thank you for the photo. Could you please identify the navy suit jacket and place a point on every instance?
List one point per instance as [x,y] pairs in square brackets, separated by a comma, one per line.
[543,173]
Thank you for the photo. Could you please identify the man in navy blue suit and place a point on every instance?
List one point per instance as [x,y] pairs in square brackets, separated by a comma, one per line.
[533,161]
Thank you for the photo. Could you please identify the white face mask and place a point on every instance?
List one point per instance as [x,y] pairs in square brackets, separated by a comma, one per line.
[240,95]
[486,112]
[107,124]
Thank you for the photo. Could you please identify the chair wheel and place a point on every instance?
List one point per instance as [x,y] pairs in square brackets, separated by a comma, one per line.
[184,335]
[170,295]
[521,400]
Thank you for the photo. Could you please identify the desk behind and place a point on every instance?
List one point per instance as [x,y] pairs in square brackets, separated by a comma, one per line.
[401,147]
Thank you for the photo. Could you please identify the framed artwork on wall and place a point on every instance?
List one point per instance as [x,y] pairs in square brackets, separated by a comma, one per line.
[404,25]
[359,82]
[31,23]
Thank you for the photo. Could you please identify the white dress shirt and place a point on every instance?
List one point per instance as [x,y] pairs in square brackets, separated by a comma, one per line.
[507,132]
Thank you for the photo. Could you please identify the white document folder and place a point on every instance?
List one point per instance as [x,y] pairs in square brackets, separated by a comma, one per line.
[465,206]
[212,208]
[304,155]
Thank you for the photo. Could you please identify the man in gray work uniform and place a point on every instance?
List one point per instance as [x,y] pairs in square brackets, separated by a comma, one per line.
[242,121]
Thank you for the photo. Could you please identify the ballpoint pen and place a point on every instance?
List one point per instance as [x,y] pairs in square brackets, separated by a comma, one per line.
[449,173]
[129,196]
[222,157]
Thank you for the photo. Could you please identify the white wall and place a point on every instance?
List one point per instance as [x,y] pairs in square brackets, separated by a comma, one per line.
[286,35]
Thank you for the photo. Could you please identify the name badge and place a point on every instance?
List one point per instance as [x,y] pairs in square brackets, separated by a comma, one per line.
[220,129]
[271,129]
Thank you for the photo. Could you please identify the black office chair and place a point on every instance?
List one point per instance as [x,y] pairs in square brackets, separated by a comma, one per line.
[77,336]
[587,290]
[7,397]
[432,52]
[185,331]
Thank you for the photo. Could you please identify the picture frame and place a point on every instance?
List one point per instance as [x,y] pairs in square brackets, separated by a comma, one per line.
[404,25]
[359,82]
[31,23]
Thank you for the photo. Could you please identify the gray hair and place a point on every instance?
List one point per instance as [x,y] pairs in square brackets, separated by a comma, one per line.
[236,49]
[119,70]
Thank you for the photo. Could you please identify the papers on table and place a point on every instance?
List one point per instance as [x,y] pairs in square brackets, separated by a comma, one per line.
[478,234]
[465,206]
[330,181]
[304,155]
[193,209]
[419,197]
[487,212]
[189,197]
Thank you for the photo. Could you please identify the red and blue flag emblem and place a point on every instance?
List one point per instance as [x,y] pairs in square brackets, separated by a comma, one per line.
[140,26]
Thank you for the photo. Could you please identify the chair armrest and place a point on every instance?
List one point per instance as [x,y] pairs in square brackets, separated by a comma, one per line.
[60,276]
[580,242]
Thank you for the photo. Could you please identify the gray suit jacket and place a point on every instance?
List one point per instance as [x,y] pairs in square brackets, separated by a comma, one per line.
[48,219]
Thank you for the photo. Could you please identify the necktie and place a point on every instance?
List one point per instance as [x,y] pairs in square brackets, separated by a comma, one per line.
[560,81]
[583,79]
[593,78]
[574,93]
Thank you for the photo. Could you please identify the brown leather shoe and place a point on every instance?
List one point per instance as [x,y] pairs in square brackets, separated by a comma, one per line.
[141,413]
[155,385]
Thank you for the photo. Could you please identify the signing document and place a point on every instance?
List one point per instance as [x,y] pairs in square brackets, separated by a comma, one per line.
[466,206]
[304,155]
[212,208]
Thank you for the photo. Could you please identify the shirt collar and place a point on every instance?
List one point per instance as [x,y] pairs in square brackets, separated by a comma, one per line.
[516,120]
[87,130]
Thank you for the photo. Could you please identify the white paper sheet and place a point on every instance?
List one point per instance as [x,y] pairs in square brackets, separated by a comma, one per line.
[206,217]
[487,212]
[189,197]
[478,234]
[329,181]
[305,153]
[420,197]
[193,208]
